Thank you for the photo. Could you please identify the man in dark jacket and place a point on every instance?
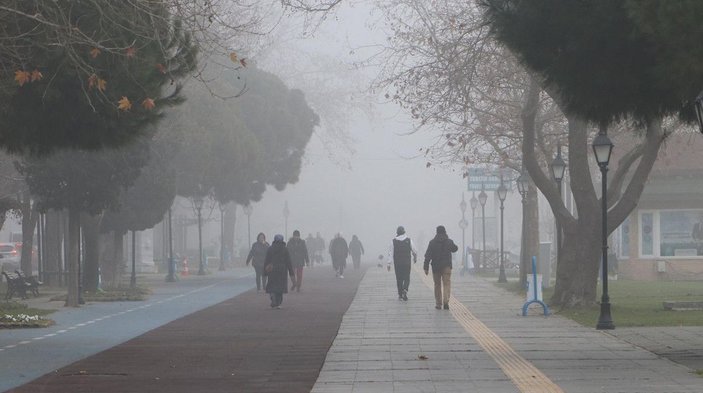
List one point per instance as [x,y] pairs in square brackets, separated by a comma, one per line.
[402,250]
[356,249]
[299,258]
[439,252]
[339,250]
[277,267]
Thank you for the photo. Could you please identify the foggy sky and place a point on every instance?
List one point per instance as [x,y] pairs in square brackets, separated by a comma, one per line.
[383,189]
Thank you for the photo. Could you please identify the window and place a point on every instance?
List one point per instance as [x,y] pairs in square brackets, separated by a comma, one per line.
[681,233]
[647,222]
[671,233]
[624,238]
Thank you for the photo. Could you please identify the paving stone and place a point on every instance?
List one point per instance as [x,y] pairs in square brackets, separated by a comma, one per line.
[577,358]
[239,345]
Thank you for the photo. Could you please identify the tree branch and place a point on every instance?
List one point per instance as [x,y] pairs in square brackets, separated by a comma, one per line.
[655,137]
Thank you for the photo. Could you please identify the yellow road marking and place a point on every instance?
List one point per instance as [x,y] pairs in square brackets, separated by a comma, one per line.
[524,375]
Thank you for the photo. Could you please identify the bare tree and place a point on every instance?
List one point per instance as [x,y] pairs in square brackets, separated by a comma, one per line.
[446,69]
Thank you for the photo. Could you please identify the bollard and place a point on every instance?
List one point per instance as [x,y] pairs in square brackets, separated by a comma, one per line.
[535,298]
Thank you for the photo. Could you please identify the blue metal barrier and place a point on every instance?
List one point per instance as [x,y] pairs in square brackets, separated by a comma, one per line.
[535,298]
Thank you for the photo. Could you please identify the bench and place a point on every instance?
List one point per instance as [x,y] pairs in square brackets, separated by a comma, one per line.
[683,305]
[32,281]
[18,284]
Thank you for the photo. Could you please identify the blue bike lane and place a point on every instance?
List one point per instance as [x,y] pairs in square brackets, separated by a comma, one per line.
[26,354]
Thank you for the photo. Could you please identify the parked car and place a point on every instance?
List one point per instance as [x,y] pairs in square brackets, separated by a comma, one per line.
[9,256]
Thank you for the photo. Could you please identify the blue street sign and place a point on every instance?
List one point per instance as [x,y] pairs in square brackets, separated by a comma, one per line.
[488,179]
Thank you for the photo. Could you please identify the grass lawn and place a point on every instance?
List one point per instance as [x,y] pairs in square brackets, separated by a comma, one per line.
[637,303]
[119,294]
[15,309]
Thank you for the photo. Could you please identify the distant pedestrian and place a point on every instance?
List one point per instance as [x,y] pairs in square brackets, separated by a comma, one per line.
[356,250]
[310,244]
[339,250]
[320,246]
[257,257]
[439,253]
[277,268]
[401,251]
[299,258]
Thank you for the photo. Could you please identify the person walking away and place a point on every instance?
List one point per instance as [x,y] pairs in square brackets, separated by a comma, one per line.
[310,244]
[277,267]
[257,257]
[299,258]
[320,247]
[439,253]
[401,251]
[356,249]
[339,250]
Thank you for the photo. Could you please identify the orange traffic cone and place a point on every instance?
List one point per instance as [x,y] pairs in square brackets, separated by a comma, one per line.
[185,270]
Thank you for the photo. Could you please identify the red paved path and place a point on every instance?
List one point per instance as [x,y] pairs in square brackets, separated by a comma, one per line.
[239,345]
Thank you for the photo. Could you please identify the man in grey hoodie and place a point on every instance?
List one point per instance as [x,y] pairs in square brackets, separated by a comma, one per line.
[401,251]
[439,252]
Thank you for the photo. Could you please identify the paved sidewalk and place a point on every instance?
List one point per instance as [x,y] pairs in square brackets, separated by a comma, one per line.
[485,347]
[237,345]
[26,354]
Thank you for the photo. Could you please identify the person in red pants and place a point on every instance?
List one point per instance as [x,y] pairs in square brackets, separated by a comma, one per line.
[299,258]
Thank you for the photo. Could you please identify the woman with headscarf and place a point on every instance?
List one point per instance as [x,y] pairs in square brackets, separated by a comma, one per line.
[276,266]
[257,257]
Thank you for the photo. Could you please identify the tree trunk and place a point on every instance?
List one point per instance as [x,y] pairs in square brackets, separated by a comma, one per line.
[112,266]
[74,229]
[29,223]
[91,232]
[530,233]
[53,256]
[3,217]
[577,271]
[119,261]
[230,221]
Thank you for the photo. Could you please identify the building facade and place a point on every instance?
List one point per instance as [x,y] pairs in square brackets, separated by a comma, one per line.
[663,237]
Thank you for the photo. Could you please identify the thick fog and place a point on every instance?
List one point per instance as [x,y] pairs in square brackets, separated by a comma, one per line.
[385,182]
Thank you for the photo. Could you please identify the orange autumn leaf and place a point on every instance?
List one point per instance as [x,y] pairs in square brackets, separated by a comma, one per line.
[22,77]
[233,57]
[123,104]
[98,83]
[36,75]
[94,52]
[102,84]
[130,52]
[148,104]
[161,68]
[243,62]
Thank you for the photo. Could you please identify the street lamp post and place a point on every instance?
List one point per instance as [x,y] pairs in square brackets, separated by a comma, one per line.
[463,224]
[523,187]
[602,148]
[482,197]
[248,209]
[171,277]
[502,194]
[474,205]
[133,276]
[558,168]
[198,201]
[286,213]
[222,236]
